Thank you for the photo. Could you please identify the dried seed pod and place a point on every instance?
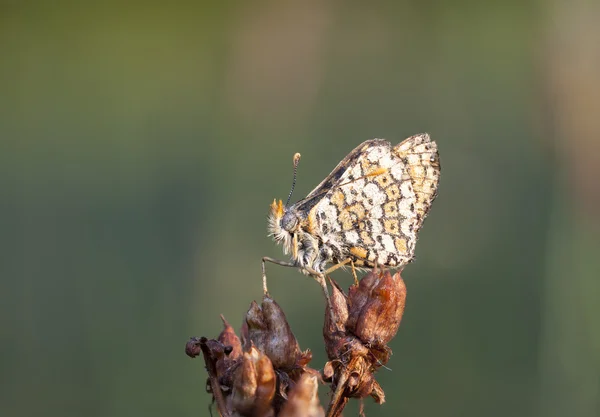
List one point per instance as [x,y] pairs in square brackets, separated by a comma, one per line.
[232,352]
[213,351]
[334,326]
[253,385]
[267,327]
[303,399]
[358,294]
[192,347]
[228,338]
[339,307]
[241,375]
[376,306]
[357,346]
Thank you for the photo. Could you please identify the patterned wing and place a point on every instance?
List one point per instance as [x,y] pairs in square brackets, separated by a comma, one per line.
[373,212]
[339,175]
[420,156]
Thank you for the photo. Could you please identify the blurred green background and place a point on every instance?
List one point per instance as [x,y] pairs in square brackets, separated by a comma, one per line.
[141,146]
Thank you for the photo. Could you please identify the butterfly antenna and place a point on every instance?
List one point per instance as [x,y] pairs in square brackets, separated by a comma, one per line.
[296,161]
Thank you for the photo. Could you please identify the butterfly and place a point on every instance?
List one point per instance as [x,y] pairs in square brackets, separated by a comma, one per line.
[366,212]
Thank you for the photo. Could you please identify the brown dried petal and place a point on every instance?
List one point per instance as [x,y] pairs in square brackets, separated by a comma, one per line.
[212,350]
[339,308]
[216,352]
[358,296]
[244,386]
[267,380]
[377,393]
[192,347]
[352,376]
[303,399]
[299,369]
[253,327]
[334,326]
[229,338]
[328,371]
[229,352]
[269,330]
[253,385]
[379,316]
[356,380]
[304,358]
[361,384]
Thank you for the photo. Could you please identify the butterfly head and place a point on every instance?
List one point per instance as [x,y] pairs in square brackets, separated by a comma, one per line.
[284,225]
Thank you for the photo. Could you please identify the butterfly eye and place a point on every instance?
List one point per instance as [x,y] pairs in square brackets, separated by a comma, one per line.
[289,221]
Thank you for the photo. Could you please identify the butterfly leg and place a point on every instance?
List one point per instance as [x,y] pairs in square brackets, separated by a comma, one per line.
[354,272]
[320,278]
[264,271]
[337,266]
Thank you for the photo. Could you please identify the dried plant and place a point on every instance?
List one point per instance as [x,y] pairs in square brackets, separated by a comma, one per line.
[265,373]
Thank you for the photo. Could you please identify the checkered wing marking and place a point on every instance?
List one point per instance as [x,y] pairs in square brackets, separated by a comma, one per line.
[422,161]
[337,176]
[374,209]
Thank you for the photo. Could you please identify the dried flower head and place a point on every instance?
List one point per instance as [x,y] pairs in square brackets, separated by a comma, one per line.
[266,326]
[263,373]
[253,385]
[356,331]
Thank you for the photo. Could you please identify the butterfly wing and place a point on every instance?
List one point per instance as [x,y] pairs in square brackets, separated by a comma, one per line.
[339,175]
[422,161]
[374,202]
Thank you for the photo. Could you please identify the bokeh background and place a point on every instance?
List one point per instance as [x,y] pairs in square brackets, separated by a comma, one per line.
[142,145]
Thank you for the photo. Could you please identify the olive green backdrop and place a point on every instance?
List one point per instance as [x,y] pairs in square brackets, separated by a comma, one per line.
[142,145]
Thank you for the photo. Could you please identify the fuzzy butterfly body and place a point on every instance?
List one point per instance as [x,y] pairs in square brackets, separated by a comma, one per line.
[367,211]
